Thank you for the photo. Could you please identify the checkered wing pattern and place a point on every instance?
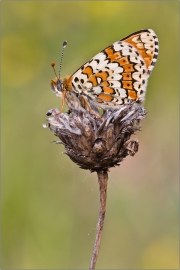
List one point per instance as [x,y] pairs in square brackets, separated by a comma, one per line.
[119,73]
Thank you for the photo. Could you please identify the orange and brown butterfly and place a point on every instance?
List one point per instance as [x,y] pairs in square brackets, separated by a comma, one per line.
[116,75]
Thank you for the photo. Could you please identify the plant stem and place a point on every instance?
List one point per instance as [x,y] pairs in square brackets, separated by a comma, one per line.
[103,180]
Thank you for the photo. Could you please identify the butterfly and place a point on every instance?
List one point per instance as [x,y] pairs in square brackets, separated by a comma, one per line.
[116,75]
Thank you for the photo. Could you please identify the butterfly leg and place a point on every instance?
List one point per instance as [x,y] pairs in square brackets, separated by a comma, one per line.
[63,102]
[84,101]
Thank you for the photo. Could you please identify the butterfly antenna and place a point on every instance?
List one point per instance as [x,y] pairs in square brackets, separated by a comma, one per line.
[62,53]
[60,65]
[52,65]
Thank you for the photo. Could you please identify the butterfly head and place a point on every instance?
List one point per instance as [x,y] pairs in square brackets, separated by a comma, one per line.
[57,85]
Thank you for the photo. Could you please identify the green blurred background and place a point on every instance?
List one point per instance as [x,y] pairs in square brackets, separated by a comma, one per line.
[49,205]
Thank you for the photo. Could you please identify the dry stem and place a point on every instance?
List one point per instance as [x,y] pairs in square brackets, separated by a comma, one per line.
[103,180]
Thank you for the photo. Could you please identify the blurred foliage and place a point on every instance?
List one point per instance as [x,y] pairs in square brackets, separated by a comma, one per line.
[49,205]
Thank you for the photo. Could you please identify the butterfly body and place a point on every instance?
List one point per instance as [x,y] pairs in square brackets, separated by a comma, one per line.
[116,75]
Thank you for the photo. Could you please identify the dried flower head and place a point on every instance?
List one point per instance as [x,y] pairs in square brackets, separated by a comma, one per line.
[96,143]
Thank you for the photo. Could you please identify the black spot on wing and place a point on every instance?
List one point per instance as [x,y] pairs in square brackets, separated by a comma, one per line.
[97,60]
[76,79]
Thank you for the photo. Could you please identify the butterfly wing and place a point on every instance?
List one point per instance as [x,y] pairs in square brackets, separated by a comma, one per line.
[120,72]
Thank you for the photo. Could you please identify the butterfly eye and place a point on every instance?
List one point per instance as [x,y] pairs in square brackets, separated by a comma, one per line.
[59,85]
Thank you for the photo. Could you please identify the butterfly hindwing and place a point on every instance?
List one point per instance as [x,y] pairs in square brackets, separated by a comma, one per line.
[120,72]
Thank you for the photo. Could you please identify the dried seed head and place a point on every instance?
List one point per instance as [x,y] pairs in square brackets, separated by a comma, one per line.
[93,143]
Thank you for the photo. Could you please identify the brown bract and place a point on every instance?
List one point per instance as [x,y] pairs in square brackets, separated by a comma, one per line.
[93,143]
